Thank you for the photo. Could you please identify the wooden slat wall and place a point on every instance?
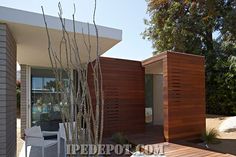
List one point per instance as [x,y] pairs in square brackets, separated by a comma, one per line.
[184,96]
[123,82]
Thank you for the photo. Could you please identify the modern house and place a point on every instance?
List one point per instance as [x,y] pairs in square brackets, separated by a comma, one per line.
[167,89]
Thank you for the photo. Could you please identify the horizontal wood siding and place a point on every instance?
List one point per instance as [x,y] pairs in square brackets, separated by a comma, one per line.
[123,82]
[184,98]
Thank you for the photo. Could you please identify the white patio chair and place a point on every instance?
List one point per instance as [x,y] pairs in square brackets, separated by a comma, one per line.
[34,137]
[63,133]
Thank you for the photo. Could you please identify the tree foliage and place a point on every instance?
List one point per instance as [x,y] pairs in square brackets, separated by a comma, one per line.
[204,27]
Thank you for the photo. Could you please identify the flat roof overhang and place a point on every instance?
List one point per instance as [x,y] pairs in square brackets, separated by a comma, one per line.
[154,64]
[29,31]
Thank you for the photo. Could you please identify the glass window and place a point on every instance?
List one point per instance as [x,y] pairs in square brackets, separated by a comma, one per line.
[45,109]
[37,83]
[49,83]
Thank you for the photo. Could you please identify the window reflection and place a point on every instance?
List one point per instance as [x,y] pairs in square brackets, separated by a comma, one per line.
[49,83]
[37,83]
[45,108]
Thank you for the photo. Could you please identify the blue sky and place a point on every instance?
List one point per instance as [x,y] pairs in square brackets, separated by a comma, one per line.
[126,15]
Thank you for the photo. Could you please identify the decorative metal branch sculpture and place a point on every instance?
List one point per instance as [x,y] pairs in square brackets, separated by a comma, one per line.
[74,94]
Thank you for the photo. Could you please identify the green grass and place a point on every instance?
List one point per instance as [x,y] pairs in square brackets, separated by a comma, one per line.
[210,136]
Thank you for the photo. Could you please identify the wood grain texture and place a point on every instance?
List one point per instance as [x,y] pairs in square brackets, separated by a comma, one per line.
[177,150]
[184,98]
[123,82]
[183,94]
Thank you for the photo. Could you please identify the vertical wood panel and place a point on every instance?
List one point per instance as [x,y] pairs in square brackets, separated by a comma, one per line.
[123,82]
[185,104]
[165,98]
[183,94]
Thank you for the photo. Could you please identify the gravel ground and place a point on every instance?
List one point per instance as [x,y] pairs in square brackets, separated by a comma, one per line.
[228,139]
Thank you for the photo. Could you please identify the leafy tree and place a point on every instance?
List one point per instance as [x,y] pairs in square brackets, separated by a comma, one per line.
[204,27]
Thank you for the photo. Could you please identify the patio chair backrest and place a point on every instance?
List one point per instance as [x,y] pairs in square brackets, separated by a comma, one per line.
[34,131]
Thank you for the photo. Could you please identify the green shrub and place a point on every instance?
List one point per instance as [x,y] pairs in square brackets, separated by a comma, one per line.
[210,136]
[119,138]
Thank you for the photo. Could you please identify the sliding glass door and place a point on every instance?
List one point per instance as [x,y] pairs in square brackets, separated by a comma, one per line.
[45,109]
